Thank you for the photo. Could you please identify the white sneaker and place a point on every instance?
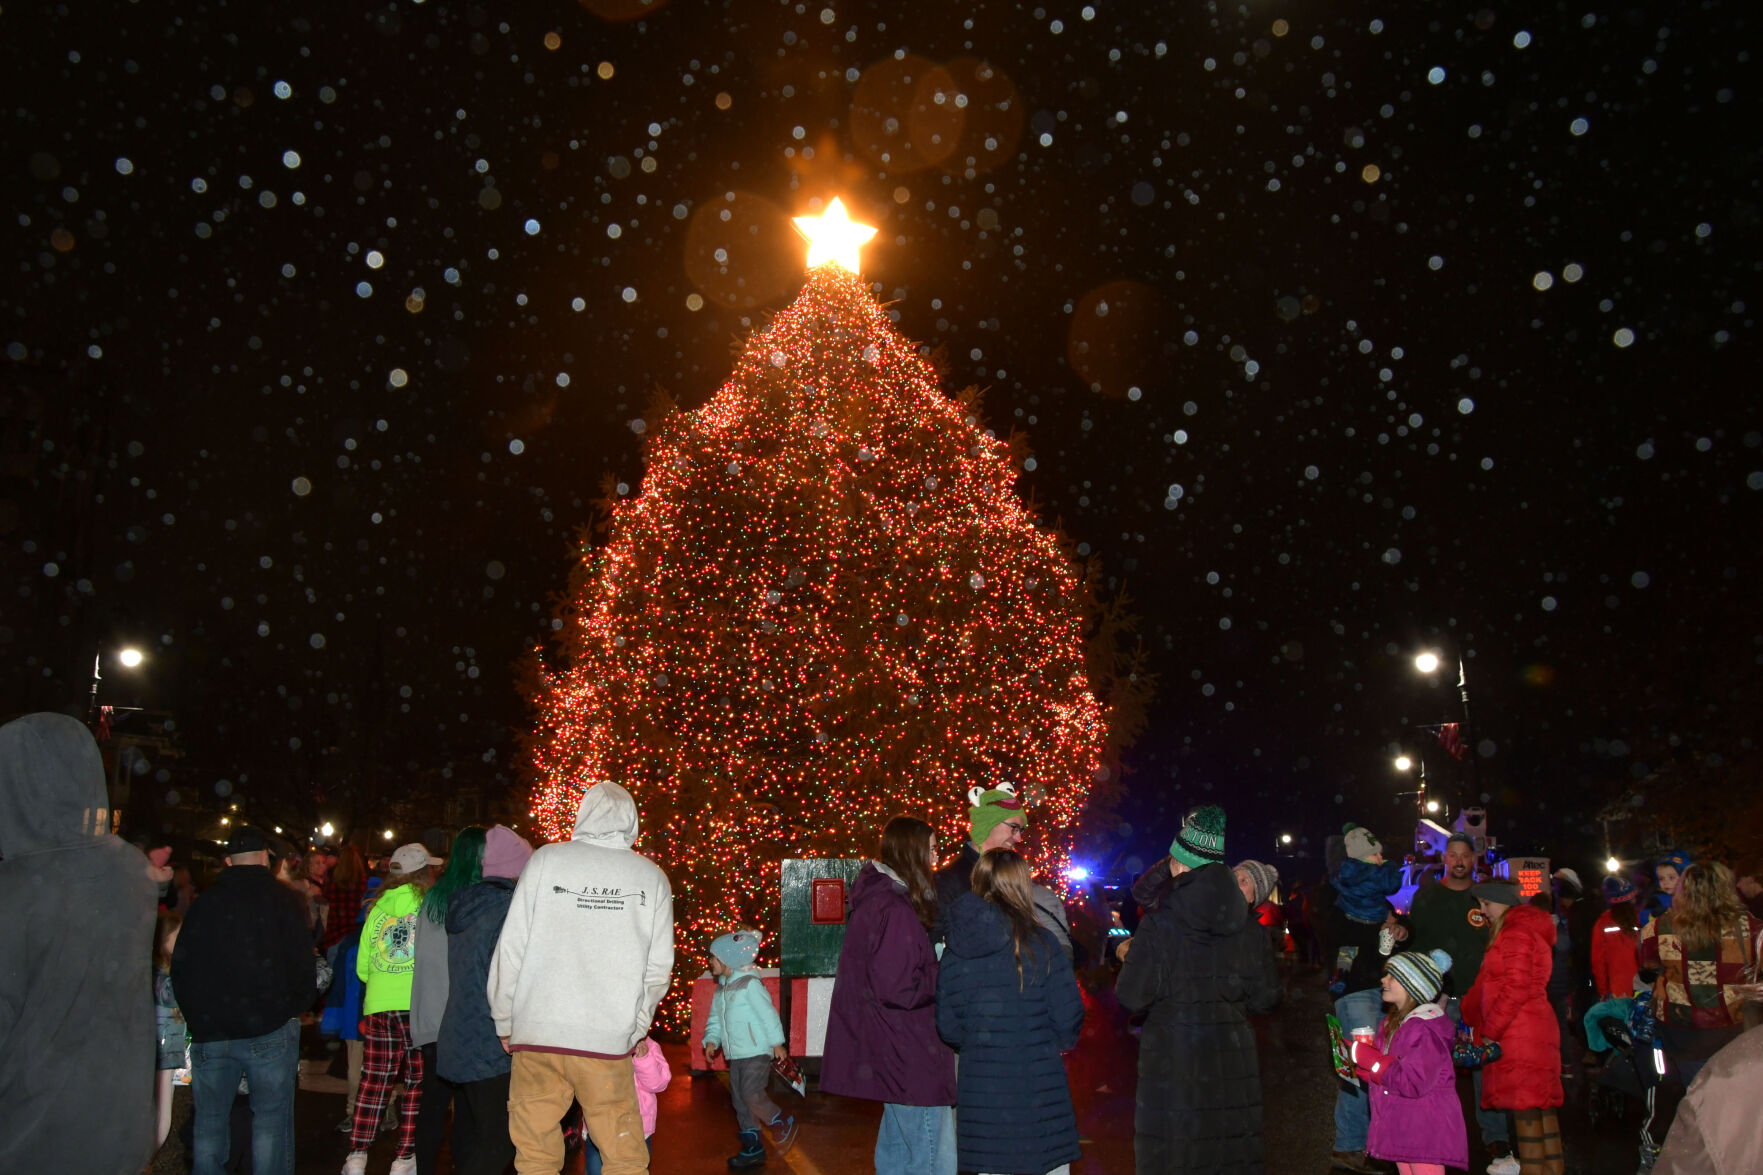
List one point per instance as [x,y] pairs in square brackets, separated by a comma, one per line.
[408,1166]
[355,1164]
[1504,1165]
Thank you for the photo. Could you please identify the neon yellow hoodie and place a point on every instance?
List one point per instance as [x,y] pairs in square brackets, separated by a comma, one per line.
[387,959]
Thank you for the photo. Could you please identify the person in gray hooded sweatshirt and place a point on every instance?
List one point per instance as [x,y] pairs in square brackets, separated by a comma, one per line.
[77,1038]
[584,957]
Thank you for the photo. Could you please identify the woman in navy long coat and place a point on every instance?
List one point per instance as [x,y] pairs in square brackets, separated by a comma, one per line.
[1009,1003]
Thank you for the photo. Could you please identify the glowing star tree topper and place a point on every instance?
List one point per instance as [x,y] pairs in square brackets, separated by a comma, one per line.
[834,237]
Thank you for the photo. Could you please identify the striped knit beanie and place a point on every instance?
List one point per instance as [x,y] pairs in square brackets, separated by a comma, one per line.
[1262,876]
[1422,975]
[1201,839]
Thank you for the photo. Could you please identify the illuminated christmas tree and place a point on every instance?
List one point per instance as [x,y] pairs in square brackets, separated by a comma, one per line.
[825,606]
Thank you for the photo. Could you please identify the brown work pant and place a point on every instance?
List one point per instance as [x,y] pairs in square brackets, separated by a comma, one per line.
[539,1092]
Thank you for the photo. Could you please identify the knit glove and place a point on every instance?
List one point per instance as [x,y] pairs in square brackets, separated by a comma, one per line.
[1369,1062]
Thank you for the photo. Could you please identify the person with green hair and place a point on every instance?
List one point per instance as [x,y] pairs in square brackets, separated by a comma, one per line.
[428,988]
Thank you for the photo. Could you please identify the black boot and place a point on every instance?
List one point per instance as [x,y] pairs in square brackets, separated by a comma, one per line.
[751,1154]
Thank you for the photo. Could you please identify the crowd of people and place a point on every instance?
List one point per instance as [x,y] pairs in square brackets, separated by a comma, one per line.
[1513,992]
[508,993]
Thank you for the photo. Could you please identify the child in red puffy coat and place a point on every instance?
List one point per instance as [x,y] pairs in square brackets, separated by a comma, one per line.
[1509,1003]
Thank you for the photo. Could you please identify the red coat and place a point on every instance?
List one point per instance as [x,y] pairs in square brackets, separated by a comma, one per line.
[1509,1003]
[1613,958]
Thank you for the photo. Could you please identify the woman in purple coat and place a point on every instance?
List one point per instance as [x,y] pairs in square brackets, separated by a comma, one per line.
[1416,1120]
[881,1032]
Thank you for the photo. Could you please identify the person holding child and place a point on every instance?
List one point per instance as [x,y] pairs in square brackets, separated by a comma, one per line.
[1416,1119]
[744,1027]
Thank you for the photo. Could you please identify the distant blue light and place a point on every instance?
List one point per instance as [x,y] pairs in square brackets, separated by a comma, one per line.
[1077,873]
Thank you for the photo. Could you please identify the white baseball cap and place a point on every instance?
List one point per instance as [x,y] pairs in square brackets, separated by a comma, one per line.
[409,858]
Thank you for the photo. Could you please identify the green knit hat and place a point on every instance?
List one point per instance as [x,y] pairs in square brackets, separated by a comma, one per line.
[1201,839]
[991,808]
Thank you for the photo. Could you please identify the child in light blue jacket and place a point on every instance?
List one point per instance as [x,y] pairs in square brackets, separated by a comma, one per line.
[745,1028]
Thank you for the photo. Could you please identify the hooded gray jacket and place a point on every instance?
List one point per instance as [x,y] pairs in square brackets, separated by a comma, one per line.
[587,949]
[77,1036]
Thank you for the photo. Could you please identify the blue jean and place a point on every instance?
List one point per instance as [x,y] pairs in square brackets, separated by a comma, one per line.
[270,1063]
[1492,1123]
[1352,1105]
[915,1140]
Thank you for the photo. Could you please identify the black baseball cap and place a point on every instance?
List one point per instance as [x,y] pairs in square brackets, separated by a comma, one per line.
[246,839]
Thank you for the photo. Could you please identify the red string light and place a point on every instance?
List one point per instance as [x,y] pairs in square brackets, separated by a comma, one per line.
[826,606]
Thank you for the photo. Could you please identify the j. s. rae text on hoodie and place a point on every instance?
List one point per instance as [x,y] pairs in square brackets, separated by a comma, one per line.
[587,949]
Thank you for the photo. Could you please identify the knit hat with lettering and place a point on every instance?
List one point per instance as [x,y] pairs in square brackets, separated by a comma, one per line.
[1201,839]
[991,808]
[1422,975]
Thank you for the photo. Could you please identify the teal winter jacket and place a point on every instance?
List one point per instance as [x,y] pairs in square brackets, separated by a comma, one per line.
[743,1020]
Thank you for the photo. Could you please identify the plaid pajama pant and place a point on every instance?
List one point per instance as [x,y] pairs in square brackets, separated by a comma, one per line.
[390,1056]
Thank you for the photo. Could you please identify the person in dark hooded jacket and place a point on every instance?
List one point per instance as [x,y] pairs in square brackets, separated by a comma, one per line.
[1197,966]
[77,1032]
[466,1049]
[1009,1003]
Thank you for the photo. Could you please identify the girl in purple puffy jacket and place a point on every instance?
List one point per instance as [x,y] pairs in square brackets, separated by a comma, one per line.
[1416,1120]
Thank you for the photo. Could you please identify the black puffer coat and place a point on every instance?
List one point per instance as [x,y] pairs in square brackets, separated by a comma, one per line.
[1013,1102]
[1197,965]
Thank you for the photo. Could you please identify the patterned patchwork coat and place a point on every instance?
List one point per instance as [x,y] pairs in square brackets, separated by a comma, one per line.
[1697,986]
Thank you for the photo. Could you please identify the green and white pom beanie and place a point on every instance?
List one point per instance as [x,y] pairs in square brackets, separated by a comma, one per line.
[1422,974]
[1201,839]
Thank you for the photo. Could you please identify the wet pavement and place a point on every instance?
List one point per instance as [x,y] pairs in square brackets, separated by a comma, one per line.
[696,1131]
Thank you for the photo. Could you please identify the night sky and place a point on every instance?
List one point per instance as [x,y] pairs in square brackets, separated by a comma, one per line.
[1338,330]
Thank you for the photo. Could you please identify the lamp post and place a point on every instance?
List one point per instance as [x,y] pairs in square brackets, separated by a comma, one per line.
[128,658]
[1405,764]
[1427,663]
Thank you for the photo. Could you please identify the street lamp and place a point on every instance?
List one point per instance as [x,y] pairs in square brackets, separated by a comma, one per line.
[389,835]
[1428,662]
[1285,838]
[1403,763]
[1613,866]
[128,658]
[327,830]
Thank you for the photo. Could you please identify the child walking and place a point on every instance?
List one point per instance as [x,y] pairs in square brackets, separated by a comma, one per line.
[745,1028]
[174,1034]
[1416,1120]
[653,1074]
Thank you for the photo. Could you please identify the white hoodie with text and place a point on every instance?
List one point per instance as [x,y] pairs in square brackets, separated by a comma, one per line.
[587,950]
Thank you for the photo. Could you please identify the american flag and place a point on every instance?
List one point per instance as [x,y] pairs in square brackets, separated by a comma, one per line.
[1451,738]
